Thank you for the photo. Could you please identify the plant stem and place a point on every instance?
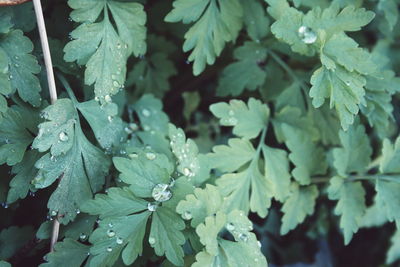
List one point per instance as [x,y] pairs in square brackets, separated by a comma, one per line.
[46,50]
[291,73]
[52,89]
[353,178]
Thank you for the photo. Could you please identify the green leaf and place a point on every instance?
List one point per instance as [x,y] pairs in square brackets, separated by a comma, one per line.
[290,119]
[229,253]
[246,190]
[204,202]
[25,172]
[255,19]
[276,171]
[79,166]
[287,25]
[345,51]
[245,73]
[143,172]
[388,199]
[151,75]
[393,253]
[67,253]
[100,47]
[308,158]
[151,116]
[300,203]
[230,158]
[57,134]
[378,96]
[375,215]
[118,202]
[390,11]
[5,20]
[190,163]
[12,239]
[350,206]
[335,20]
[354,156]
[15,133]
[247,120]
[216,22]
[15,49]
[345,90]
[4,264]
[390,157]
[104,121]
[116,234]
[328,124]
[168,239]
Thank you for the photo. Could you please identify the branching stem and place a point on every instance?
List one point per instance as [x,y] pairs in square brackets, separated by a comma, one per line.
[52,89]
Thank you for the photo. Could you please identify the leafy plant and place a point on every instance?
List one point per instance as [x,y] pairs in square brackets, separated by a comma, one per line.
[200,133]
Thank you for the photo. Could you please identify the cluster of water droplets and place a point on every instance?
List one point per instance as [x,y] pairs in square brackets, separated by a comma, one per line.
[112,234]
[306,35]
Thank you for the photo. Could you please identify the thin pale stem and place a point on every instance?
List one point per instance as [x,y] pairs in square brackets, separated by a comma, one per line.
[46,50]
[52,89]
[291,73]
[353,178]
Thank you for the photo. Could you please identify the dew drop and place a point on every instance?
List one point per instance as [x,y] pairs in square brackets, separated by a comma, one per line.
[110,233]
[187,215]
[161,192]
[128,131]
[230,227]
[111,225]
[347,83]
[146,112]
[233,121]
[97,99]
[108,99]
[119,240]
[187,172]
[109,249]
[150,155]
[53,213]
[116,84]
[63,137]
[243,237]
[151,207]
[109,118]
[16,65]
[133,155]
[231,112]
[16,57]
[259,244]
[152,240]
[82,236]
[133,126]
[77,211]
[306,35]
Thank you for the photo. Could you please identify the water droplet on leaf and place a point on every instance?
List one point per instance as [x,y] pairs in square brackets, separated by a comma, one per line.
[146,112]
[243,237]
[151,207]
[63,137]
[109,249]
[152,240]
[82,236]
[306,35]
[230,226]
[161,192]
[150,155]
[110,233]
[119,241]
[187,215]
